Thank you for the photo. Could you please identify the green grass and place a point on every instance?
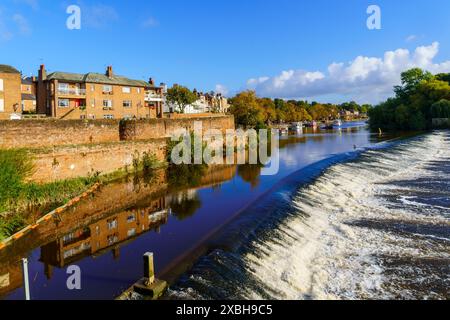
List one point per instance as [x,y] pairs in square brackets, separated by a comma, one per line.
[17,196]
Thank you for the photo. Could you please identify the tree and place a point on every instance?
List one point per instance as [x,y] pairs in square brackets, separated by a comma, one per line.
[441,109]
[410,80]
[267,107]
[246,110]
[181,97]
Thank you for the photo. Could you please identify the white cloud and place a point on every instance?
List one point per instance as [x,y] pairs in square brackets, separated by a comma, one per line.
[365,79]
[150,23]
[32,3]
[411,38]
[22,24]
[221,89]
[98,16]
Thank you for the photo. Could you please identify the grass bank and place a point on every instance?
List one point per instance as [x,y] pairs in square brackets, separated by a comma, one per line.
[21,203]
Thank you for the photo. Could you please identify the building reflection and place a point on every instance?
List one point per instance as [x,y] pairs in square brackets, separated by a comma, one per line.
[102,236]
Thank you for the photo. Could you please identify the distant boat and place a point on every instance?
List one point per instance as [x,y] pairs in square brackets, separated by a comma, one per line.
[284,131]
[327,126]
[311,124]
[296,126]
[337,123]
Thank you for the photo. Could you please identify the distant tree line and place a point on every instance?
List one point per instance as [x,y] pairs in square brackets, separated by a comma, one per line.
[420,98]
[250,111]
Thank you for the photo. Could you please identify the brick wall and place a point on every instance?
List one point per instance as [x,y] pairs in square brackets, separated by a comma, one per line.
[49,133]
[147,129]
[11,93]
[69,162]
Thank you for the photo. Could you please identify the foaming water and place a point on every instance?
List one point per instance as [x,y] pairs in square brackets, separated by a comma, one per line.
[372,227]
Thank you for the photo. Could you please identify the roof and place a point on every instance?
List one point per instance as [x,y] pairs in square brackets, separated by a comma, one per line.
[4,68]
[96,78]
[28,96]
[27,80]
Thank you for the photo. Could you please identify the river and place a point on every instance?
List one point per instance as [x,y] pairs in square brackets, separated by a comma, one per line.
[347,216]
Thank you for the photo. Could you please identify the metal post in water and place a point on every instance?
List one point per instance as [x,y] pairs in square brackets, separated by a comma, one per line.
[26,282]
[149,269]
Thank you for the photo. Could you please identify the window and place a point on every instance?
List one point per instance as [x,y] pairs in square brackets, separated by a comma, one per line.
[107,89]
[1,84]
[131,218]
[126,90]
[112,224]
[112,239]
[92,103]
[107,104]
[63,103]
[63,87]
[92,87]
[138,90]
[131,232]
[2,105]
[108,116]
[127,104]
[128,117]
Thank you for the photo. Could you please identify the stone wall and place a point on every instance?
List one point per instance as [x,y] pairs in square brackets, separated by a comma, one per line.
[148,129]
[69,162]
[49,133]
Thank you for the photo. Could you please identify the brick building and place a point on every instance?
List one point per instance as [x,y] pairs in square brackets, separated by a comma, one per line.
[93,96]
[28,91]
[10,91]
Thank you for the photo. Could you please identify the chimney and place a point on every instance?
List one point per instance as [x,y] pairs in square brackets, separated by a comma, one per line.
[42,73]
[151,81]
[109,72]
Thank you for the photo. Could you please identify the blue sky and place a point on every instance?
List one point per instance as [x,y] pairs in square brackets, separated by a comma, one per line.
[286,46]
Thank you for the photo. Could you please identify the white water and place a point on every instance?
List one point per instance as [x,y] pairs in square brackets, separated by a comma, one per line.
[322,256]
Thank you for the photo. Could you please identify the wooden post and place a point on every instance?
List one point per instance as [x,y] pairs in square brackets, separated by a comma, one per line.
[149,268]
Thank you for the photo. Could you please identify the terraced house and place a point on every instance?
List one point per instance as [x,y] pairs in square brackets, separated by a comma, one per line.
[10,91]
[65,95]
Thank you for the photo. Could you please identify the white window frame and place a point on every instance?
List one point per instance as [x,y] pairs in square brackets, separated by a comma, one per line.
[107,88]
[63,87]
[108,105]
[1,85]
[63,106]
[2,105]
[108,117]
[126,90]
[129,102]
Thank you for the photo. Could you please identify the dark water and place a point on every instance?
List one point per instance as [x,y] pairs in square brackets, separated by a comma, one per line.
[107,235]
[372,225]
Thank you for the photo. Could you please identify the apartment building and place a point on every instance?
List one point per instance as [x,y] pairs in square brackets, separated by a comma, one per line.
[65,95]
[10,88]
[206,103]
[28,91]
[154,98]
